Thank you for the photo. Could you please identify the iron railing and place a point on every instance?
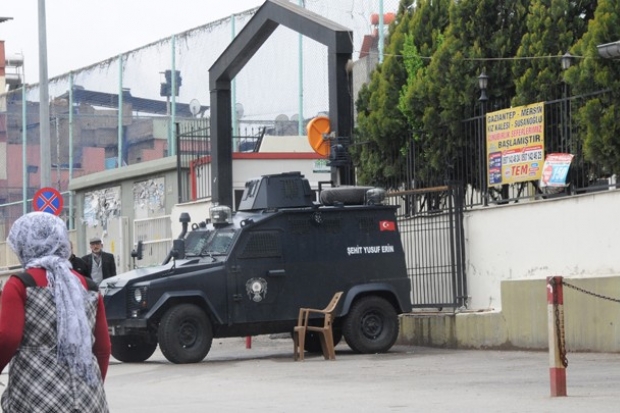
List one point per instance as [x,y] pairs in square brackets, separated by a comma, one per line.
[466,162]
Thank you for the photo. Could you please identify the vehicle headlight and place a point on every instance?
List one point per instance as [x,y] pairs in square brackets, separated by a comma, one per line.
[137,301]
[137,295]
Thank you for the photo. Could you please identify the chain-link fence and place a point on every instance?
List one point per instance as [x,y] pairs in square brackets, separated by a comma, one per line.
[123,111]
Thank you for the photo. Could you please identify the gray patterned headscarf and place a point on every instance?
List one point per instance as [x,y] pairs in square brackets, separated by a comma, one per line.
[41,240]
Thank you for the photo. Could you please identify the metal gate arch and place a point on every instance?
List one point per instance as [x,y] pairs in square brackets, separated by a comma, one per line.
[430,221]
[254,34]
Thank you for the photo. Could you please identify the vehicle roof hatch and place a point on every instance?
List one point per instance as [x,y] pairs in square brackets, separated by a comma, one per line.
[285,190]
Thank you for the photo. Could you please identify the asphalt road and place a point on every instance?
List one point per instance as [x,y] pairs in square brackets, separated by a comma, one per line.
[266,379]
[407,379]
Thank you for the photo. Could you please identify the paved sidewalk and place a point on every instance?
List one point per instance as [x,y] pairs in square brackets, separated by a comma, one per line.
[266,379]
[407,379]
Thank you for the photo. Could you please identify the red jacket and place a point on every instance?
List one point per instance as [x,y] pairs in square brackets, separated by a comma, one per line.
[12,304]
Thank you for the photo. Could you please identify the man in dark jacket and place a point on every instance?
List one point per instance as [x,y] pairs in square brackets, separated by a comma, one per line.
[100,264]
[78,264]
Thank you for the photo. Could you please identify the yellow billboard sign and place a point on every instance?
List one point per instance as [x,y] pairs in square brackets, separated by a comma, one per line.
[515,144]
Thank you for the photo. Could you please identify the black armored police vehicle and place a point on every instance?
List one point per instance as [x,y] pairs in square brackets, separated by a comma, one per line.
[248,273]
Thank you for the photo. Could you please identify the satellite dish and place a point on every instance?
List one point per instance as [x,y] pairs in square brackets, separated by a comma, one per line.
[318,127]
[239,110]
[194,107]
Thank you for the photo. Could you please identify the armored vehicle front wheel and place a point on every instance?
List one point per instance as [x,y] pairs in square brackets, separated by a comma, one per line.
[132,349]
[371,325]
[185,334]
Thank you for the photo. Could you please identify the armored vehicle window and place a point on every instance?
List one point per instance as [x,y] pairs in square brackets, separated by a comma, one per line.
[199,243]
[196,241]
[261,244]
[220,243]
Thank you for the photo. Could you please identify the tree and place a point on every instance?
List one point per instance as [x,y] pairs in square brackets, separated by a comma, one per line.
[443,95]
[381,127]
[386,121]
[597,119]
[427,86]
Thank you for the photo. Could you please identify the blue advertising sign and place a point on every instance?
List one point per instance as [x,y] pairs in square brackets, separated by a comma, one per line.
[555,170]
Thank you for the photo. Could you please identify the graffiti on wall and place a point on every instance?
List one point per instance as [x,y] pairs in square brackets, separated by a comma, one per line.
[149,198]
[100,206]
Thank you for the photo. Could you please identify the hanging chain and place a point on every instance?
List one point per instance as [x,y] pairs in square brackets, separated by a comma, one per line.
[559,319]
[574,287]
[559,331]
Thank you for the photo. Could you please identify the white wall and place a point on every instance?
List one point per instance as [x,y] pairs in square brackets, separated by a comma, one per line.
[245,169]
[574,237]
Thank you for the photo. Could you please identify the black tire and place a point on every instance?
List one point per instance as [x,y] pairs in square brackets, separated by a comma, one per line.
[185,334]
[313,341]
[132,349]
[371,325]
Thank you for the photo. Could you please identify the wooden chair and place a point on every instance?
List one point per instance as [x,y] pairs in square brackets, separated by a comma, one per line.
[325,332]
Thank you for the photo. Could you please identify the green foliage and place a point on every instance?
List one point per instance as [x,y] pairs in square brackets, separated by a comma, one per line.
[418,98]
[553,26]
[381,127]
[597,121]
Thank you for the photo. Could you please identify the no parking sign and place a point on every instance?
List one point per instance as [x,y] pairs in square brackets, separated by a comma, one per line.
[48,200]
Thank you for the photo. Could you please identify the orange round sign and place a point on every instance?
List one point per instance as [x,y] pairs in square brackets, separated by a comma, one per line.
[317,127]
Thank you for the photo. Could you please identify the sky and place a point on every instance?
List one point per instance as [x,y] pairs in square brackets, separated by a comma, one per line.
[83,32]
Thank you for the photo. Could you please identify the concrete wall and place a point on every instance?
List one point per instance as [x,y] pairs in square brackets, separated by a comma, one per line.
[591,323]
[117,230]
[575,237]
[511,250]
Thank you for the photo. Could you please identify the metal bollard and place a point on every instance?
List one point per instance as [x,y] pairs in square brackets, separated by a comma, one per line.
[557,348]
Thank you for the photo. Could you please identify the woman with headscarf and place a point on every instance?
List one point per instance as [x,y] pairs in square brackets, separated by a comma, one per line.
[53,328]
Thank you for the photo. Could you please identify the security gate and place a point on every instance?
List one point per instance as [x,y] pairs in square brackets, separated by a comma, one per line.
[430,221]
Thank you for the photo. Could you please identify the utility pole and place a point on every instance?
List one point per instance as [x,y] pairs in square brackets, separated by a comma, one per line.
[44,104]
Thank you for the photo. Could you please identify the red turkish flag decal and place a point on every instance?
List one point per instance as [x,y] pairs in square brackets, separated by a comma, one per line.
[387,226]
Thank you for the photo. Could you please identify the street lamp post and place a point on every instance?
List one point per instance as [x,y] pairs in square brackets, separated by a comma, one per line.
[483,82]
[566,144]
[609,50]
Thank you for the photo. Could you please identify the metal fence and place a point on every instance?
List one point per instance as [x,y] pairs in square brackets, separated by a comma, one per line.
[124,110]
[466,163]
[431,227]
[156,236]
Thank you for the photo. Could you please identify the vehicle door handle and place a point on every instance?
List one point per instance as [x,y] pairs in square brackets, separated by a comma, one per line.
[276,273]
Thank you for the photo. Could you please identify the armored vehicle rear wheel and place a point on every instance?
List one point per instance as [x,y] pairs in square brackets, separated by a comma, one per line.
[185,334]
[132,349]
[371,325]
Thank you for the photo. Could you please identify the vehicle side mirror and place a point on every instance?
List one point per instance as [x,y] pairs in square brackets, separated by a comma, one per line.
[137,253]
[178,249]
